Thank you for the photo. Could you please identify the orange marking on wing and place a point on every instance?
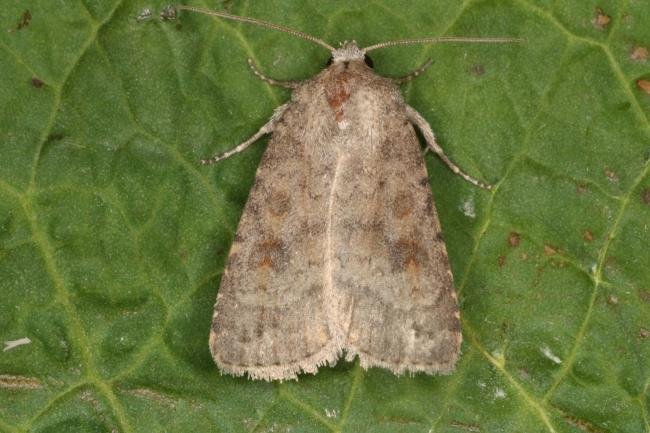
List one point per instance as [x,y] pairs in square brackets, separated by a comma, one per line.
[338,95]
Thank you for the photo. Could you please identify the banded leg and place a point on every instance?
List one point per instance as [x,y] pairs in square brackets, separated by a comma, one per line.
[427,133]
[411,75]
[271,81]
[266,129]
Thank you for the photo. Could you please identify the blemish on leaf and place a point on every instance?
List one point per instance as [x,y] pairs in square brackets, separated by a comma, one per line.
[643,85]
[396,420]
[645,196]
[168,13]
[37,82]
[9,381]
[24,21]
[611,175]
[581,424]
[331,413]
[643,333]
[144,15]
[581,188]
[468,208]
[550,250]
[644,295]
[639,54]
[588,236]
[87,396]
[524,374]
[501,260]
[514,239]
[612,300]
[55,136]
[477,70]
[600,19]
[227,5]
[546,351]
[465,426]
[11,344]
[149,394]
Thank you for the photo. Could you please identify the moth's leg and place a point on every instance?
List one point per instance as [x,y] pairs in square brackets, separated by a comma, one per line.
[427,133]
[271,81]
[411,75]
[266,129]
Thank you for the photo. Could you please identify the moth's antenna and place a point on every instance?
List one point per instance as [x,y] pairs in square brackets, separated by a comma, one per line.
[442,39]
[169,12]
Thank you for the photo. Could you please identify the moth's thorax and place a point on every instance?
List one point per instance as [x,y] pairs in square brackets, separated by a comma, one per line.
[351,96]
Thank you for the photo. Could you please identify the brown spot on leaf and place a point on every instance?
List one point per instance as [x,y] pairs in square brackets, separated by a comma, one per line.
[581,424]
[581,188]
[55,136]
[643,333]
[644,295]
[37,82]
[639,54]
[611,175]
[550,250]
[524,257]
[588,236]
[24,21]
[397,420]
[501,260]
[645,196]
[156,396]
[477,70]
[8,381]
[601,19]
[644,85]
[514,239]
[612,299]
[474,428]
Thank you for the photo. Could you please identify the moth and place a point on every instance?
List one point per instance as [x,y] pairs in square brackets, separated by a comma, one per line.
[339,248]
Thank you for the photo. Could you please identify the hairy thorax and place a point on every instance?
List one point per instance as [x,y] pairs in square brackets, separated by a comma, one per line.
[344,106]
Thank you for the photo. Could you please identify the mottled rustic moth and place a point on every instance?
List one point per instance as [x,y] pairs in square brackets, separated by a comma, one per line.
[339,248]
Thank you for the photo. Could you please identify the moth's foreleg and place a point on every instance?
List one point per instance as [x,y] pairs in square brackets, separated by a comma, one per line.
[427,133]
[266,129]
[271,81]
[411,75]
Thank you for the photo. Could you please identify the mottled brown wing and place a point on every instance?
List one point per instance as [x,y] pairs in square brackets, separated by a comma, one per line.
[391,259]
[270,319]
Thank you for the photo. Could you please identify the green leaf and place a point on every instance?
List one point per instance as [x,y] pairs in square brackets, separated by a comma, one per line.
[113,238]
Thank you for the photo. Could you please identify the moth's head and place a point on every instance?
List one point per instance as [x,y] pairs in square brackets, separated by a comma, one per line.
[349,52]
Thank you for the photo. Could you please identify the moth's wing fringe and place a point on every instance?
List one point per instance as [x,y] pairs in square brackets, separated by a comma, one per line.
[367,361]
[327,356]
